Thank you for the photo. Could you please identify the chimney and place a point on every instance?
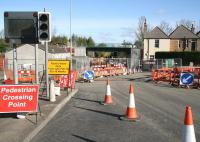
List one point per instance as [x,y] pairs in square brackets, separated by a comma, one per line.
[193,28]
[145,25]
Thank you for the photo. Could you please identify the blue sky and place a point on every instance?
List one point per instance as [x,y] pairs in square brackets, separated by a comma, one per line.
[107,21]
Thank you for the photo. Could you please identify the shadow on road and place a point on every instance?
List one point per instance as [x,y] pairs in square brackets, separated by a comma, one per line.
[82,138]
[101,112]
[86,100]
[8,115]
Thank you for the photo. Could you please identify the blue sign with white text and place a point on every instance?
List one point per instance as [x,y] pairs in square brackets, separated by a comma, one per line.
[88,75]
[186,79]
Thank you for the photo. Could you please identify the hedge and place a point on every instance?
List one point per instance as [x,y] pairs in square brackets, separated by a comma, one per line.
[186,57]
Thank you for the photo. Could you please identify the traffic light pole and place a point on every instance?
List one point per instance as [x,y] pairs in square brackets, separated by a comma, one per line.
[36,65]
[46,66]
[15,74]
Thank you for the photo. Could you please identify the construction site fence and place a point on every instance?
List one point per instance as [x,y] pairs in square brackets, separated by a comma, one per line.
[149,65]
[172,76]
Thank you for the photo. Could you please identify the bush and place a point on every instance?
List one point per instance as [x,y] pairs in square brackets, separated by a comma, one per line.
[186,57]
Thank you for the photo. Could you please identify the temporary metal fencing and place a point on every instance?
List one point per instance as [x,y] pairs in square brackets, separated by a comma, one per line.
[173,75]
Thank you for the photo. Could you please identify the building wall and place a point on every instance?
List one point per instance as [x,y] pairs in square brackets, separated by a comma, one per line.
[198,45]
[145,48]
[80,51]
[164,45]
[60,56]
[26,57]
[174,45]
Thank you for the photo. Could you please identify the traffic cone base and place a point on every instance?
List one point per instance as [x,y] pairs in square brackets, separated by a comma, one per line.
[131,113]
[108,99]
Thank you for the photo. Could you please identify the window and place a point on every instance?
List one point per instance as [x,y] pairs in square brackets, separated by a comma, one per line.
[193,46]
[185,43]
[151,57]
[157,43]
[179,44]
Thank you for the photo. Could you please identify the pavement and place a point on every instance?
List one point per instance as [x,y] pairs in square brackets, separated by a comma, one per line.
[13,129]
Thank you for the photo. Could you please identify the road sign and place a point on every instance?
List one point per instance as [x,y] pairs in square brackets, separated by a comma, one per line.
[18,98]
[186,79]
[88,75]
[58,67]
[21,26]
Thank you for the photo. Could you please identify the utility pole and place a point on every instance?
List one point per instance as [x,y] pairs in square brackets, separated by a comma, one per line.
[70,28]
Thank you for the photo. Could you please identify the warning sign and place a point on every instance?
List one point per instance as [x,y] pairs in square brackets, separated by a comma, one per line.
[18,98]
[58,67]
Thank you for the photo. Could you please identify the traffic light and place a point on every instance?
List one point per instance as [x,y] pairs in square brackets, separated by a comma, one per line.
[44,27]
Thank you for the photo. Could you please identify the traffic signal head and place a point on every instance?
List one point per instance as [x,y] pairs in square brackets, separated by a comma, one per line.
[44,27]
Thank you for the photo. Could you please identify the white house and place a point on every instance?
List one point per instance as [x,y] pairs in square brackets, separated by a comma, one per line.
[154,41]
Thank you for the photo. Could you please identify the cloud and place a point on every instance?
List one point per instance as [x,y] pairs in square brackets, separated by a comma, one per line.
[161,12]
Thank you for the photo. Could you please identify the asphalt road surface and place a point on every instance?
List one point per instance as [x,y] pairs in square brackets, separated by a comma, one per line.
[161,109]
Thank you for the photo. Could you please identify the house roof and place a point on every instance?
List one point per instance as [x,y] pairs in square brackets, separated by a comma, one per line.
[198,33]
[156,33]
[182,32]
[52,49]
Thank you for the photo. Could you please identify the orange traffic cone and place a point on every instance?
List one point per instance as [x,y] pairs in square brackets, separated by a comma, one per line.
[108,97]
[188,134]
[131,113]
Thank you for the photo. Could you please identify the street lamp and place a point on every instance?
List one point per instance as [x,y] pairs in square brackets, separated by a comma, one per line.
[70,32]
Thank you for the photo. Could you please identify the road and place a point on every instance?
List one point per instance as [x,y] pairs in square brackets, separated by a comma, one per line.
[161,109]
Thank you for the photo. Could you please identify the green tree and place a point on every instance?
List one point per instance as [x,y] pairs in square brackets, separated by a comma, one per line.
[102,45]
[90,42]
[3,45]
[60,40]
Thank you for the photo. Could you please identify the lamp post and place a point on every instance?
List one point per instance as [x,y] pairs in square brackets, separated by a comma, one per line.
[70,32]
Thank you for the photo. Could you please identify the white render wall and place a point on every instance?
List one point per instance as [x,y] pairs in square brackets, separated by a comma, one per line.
[164,45]
[26,57]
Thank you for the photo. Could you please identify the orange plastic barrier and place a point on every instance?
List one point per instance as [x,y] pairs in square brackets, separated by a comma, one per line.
[172,75]
[26,76]
[108,71]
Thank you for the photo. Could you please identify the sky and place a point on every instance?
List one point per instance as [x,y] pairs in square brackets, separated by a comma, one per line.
[106,21]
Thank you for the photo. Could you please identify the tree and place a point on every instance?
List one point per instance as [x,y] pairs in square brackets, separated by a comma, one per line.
[1,34]
[140,32]
[166,27]
[90,42]
[184,22]
[102,45]
[60,40]
[3,44]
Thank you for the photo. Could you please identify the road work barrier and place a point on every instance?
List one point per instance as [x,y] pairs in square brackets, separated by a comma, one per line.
[109,71]
[188,134]
[178,77]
